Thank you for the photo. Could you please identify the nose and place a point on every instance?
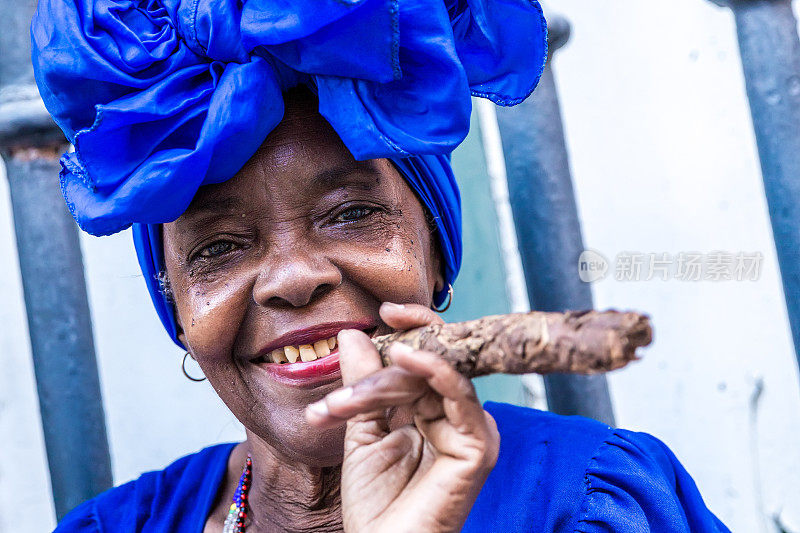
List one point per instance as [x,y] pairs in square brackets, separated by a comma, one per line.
[295,278]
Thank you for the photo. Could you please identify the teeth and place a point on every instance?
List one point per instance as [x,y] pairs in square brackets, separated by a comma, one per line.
[291,353]
[321,348]
[279,356]
[307,352]
[304,352]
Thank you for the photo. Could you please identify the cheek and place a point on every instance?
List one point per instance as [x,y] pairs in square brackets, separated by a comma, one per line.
[211,313]
[395,267]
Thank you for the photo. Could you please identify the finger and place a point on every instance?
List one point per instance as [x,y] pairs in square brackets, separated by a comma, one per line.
[408,316]
[429,407]
[358,357]
[465,430]
[479,447]
[443,378]
[389,387]
[458,464]
[465,411]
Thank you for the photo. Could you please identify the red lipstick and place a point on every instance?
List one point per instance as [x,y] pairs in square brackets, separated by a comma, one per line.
[306,374]
[310,373]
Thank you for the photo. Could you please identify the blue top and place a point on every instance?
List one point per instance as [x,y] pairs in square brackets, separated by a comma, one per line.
[554,473]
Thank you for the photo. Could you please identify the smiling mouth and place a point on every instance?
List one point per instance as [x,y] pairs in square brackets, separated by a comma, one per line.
[304,353]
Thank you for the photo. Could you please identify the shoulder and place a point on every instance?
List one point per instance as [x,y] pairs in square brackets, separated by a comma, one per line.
[518,424]
[539,478]
[635,483]
[569,473]
[162,500]
[545,444]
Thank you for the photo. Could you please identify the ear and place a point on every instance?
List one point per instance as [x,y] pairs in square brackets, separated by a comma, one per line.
[439,286]
[182,338]
[438,266]
[181,334]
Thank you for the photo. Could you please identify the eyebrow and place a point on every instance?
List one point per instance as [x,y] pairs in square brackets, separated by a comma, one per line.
[215,205]
[359,173]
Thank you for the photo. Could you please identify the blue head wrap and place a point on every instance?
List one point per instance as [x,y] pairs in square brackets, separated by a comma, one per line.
[161,97]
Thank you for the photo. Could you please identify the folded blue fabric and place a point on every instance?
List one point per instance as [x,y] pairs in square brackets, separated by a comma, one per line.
[161,97]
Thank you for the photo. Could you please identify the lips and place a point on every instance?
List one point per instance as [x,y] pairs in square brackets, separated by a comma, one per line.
[302,352]
[307,357]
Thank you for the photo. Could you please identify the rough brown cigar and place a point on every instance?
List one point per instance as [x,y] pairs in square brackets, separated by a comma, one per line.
[583,342]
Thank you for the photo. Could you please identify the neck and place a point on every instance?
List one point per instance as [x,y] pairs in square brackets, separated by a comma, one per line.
[287,495]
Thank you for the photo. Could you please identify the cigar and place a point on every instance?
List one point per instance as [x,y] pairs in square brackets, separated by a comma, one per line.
[577,342]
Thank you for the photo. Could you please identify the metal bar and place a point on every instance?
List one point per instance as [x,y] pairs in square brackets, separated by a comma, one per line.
[53,281]
[61,331]
[547,224]
[770,50]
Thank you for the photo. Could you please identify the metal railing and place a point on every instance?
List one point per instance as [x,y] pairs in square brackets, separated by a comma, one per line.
[53,281]
[770,48]
[548,229]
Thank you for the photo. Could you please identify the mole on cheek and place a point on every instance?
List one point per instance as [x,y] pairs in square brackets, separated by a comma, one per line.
[218,306]
[208,304]
[397,259]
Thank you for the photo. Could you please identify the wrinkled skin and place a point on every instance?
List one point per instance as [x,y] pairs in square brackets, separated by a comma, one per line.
[305,235]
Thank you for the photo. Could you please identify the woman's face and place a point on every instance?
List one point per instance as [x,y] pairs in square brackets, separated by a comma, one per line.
[303,242]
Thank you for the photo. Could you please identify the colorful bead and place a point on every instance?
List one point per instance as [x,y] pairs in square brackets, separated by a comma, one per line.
[234,522]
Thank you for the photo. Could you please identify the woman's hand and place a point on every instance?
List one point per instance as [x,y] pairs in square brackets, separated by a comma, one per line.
[422,476]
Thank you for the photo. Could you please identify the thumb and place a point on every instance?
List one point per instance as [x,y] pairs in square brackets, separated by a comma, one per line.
[358,357]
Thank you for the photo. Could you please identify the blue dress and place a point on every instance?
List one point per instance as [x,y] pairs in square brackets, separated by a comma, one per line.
[554,473]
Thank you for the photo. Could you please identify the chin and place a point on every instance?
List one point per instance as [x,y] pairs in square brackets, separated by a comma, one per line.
[320,449]
[300,443]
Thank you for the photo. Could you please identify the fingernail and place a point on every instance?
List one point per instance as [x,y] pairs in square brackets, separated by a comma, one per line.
[345,333]
[340,395]
[319,408]
[400,347]
[393,307]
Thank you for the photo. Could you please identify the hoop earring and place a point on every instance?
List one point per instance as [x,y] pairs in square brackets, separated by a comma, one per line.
[185,373]
[449,300]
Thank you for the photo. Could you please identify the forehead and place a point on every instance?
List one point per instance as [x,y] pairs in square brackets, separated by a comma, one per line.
[303,155]
[303,135]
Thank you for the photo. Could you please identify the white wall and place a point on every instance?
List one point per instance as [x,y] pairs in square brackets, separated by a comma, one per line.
[664,161]
[24,482]
[154,414]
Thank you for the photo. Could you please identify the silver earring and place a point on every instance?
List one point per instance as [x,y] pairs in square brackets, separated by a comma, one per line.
[185,373]
[449,300]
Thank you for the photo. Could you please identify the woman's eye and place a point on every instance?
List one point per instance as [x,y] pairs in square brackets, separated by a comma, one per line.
[354,213]
[216,249]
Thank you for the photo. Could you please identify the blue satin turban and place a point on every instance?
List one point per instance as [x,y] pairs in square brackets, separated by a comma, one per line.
[161,97]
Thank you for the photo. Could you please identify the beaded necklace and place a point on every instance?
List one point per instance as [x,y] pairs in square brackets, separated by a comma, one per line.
[234,522]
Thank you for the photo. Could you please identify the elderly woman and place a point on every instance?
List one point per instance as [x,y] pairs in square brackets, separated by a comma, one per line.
[285,168]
